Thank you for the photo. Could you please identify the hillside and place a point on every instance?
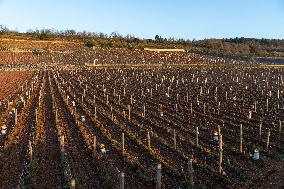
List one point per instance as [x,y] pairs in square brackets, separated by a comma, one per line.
[234,46]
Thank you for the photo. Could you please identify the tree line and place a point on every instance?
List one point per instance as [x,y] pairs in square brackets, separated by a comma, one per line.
[238,46]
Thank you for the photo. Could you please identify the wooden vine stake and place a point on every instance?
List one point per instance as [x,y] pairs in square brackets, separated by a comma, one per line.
[219,129]
[129,110]
[220,153]
[36,116]
[62,143]
[268,140]
[148,140]
[16,116]
[73,184]
[94,146]
[121,180]
[176,107]
[95,113]
[280,129]
[255,107]
[159,177]
[190,171]
[30,151]
[241,138]
[56,116]
[175,140]
[112,117]
[197,133]
[122,143]
[186,96]
[260,130]
[144,110]
[267,105]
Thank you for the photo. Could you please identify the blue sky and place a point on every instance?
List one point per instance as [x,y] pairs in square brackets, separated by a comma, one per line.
[189,19]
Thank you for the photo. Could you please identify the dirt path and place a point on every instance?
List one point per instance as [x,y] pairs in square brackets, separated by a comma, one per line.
[47,164]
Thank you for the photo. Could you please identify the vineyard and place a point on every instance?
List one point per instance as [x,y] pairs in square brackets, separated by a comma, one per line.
[163,127]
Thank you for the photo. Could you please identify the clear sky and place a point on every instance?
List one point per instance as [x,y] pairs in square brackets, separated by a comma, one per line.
[189,19]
